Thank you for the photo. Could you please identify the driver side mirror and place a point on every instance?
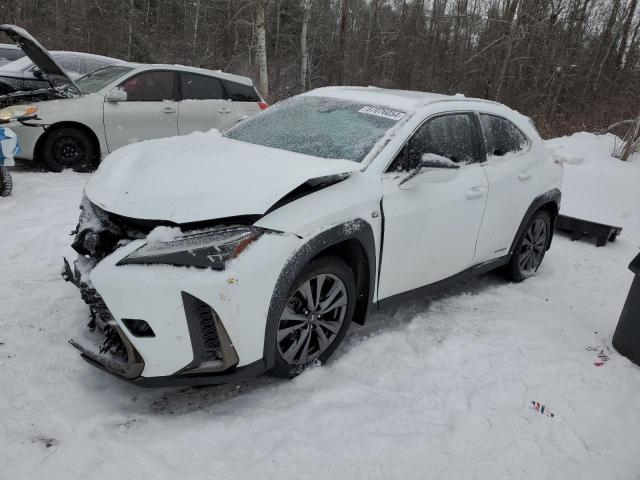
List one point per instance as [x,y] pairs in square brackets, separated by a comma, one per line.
[431,160]
[37,72]
[116,95]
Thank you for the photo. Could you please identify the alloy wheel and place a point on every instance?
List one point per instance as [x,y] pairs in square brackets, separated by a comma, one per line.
[533,247]
[312,319]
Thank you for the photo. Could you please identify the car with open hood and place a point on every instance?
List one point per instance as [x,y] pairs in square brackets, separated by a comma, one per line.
[22,75]
[79,121]
[265,243]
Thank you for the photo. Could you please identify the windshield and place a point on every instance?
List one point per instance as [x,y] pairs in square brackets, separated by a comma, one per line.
[101,78]
[318,126]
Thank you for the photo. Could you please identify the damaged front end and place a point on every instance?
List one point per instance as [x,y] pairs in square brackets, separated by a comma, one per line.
[108,343]
[103,343]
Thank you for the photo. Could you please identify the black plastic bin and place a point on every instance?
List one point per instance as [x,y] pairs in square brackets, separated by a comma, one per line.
[626,338]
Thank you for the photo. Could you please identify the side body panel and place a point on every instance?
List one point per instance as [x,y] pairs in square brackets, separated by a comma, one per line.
[514,182]
[131,122]
[85,110]
[203,115]
[431,226]
[244,108]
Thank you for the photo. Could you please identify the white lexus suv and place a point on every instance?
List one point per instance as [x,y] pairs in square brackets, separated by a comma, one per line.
[214,257]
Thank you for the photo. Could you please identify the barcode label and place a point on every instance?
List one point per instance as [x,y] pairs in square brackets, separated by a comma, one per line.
[382,112]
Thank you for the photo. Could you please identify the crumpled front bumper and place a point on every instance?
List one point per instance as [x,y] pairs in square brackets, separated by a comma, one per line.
[239,299]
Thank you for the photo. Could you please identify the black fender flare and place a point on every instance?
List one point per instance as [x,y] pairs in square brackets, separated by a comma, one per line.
[552,196]
[358,230]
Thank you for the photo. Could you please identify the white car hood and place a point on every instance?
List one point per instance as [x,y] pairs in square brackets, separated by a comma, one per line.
[202,176]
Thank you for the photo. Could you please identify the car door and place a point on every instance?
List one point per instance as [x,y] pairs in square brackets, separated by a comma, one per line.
[204,104]
[513,185]
[431,222]
[149,111]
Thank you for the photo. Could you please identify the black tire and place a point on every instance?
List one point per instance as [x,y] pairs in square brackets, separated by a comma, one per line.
[6,183]
[319,329]
[68,147]
[530,248]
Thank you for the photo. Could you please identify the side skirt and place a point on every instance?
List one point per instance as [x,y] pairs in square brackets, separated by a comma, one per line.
[443,284]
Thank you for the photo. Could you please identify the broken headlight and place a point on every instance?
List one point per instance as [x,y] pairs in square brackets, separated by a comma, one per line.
[206,249]
[16,111]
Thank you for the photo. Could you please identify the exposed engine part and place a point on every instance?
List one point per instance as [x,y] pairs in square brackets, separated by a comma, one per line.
[20,97]
[99,233]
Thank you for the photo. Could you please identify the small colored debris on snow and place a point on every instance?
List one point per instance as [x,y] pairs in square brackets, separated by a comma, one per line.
[602,357]
[542,409]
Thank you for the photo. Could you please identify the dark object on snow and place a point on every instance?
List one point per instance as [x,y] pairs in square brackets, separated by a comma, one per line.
[6,183]
[584,228]
[626,338]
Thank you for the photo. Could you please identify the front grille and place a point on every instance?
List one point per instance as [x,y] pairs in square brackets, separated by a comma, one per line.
[99,311]
[103,321]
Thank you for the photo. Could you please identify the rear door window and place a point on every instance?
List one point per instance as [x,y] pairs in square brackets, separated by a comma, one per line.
[201,87]
[239,92]
[154,86]
[501,136]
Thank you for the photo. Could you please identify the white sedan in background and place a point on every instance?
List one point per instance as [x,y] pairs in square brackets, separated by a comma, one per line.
[78,122]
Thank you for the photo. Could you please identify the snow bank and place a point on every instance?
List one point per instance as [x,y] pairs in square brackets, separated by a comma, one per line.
[597,186]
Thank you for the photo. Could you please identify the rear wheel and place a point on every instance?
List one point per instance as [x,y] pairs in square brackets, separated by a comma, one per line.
[316,316]
[531,247]
[68,147]
[6,184]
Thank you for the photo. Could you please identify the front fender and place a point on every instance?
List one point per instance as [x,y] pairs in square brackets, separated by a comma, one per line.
[355,230]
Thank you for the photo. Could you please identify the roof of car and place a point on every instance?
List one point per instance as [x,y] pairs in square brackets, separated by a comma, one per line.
[184,68]
[406,100]
[83,54]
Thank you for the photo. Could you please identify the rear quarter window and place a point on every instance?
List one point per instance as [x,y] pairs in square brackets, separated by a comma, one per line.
[239,92]
[501,137]
[200,87]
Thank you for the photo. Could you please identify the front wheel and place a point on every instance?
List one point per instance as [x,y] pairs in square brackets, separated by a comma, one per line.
[316,316]
[68,148]
[6,184]
[531,247]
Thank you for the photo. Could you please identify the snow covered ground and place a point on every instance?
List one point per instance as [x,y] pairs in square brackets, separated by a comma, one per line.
[439,388]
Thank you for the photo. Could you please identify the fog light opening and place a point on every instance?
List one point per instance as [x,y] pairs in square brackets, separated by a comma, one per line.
[138,328]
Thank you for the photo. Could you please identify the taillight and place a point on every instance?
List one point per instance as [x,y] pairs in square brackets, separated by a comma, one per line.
[263,105]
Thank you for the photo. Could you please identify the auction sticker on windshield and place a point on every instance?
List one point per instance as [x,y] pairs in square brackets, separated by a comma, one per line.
[382,112]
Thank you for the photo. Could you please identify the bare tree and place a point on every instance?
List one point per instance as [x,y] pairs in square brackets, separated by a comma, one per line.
[304,51]
[569,64]
[262,46]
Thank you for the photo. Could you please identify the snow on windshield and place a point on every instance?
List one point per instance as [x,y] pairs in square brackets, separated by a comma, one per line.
[318,126]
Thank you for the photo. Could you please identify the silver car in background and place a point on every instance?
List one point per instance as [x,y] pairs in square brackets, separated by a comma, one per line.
[78,121]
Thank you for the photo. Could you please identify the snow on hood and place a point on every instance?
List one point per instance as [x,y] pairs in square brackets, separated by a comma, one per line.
[202,176]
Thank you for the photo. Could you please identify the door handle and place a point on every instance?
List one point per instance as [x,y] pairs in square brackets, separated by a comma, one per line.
[225,110]
[476,192]
[168,110]
[522,176]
